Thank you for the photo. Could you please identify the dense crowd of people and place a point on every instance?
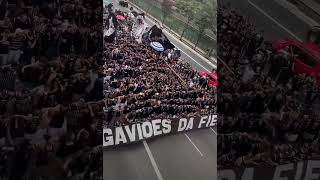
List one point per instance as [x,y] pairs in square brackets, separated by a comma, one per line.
[267,113]
[51,80]
[58,91]
[142,84]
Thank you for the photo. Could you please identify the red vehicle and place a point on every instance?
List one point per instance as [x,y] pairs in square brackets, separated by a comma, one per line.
[306,54]
[211,76]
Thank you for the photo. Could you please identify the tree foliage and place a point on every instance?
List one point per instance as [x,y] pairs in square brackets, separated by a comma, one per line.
[202,13]
[188,8]
[205,17]
[167,7]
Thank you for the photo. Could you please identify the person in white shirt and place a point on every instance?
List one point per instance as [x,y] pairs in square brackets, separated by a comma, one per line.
[138,29]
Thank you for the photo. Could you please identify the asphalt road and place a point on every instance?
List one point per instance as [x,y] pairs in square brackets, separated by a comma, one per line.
[275,19]
[184,156]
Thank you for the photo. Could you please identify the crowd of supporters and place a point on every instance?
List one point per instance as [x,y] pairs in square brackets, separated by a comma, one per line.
[51,79]
[59,84]
[142,84]
[267,113]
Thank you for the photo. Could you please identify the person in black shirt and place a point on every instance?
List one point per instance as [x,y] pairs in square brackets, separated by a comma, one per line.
[28,51]
[3,8]
[4,48]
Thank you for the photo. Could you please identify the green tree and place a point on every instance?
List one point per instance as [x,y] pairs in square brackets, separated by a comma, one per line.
[204,20]
[188,8]
[167,8]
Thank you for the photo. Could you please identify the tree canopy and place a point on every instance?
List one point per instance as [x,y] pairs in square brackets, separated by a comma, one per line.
[203,12]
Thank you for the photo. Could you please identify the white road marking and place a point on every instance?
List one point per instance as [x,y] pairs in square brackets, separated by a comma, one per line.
[275,21]
[153,162]
[213,131]
[297,12]
[193,144]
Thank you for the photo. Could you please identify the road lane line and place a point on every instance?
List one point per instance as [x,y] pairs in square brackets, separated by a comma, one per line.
[194,145]
[153,162]
[275,21]
[213,131]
